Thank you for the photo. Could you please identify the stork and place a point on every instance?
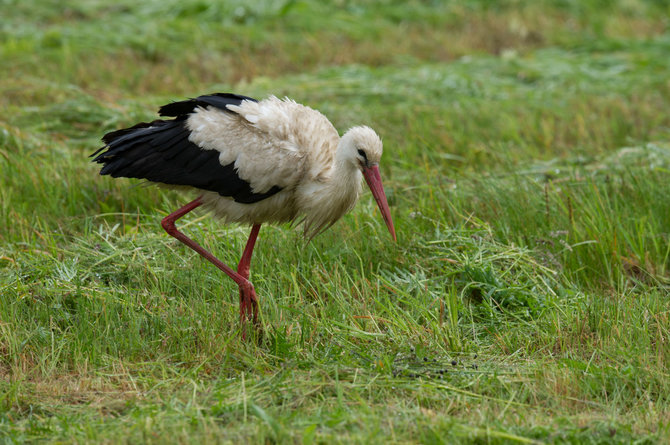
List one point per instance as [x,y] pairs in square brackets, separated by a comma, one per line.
[250,162]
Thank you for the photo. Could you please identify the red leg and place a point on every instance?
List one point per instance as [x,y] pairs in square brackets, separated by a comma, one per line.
[248,300]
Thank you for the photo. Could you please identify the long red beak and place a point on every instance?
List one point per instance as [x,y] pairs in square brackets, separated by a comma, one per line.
[374,181]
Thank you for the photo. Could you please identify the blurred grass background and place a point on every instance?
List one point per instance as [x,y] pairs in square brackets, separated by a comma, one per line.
[527,163]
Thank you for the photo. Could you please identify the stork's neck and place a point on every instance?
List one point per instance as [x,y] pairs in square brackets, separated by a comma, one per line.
[343,188]
[324,202]
[346,177]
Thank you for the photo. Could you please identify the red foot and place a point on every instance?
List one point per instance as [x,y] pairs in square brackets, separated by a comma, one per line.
[248,307]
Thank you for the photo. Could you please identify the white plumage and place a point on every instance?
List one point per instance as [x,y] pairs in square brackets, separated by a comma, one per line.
[282,143]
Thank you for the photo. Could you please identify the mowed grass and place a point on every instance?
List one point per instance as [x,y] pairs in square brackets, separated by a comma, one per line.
[527,165]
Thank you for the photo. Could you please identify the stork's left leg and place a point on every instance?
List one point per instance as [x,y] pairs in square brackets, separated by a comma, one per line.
[248,301]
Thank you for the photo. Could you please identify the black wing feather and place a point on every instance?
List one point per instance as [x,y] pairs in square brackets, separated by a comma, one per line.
[160,151]
[218,100]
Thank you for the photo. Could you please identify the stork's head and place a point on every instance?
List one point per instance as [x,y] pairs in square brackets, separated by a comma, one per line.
[362,148]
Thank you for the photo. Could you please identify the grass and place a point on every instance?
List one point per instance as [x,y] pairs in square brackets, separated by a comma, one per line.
[527,166]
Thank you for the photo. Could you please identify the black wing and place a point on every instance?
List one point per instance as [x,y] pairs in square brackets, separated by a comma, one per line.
[160,151]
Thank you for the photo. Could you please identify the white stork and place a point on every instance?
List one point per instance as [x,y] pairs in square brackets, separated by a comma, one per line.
[251,162]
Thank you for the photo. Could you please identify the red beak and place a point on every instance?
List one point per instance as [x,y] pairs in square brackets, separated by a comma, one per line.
[374,181]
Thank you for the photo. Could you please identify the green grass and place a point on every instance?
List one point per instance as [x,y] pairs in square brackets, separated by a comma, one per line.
[527,165]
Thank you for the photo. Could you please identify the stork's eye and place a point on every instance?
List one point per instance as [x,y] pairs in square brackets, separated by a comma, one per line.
[362,153]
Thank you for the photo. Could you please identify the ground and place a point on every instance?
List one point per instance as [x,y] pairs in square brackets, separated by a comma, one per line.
[527,165]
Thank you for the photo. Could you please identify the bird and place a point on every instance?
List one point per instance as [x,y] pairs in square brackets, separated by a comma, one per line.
[250,162]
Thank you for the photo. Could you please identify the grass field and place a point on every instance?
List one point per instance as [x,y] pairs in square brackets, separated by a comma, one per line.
[527,165]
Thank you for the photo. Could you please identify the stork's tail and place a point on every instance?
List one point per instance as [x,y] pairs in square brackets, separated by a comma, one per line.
[145,151]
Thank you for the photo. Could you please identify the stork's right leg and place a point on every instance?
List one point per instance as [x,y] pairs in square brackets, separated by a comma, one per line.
[246,288]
